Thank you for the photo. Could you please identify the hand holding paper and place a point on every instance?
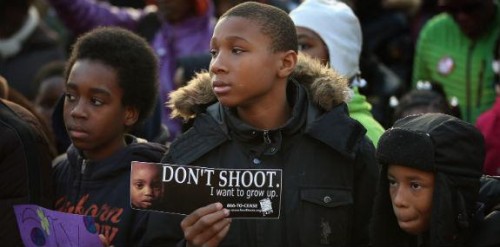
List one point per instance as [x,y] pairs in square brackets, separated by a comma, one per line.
[206,226]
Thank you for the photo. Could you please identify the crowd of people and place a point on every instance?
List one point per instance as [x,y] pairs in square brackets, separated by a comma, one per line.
[383,116]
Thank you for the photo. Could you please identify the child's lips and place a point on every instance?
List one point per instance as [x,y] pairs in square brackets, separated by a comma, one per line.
[220,87]
[405,218]
[77,133]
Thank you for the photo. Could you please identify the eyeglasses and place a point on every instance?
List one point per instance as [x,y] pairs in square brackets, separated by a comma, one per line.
[468,8]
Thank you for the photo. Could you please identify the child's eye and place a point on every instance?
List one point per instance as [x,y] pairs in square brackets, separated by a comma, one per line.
[69,97]
[415,186]
[156,185]
[236,50]
[139,185]
[213,52]
[96,102]
[392,182]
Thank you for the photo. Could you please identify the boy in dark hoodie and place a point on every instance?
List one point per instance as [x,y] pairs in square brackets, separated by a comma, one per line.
[262,106]
[111,85]
[428,194]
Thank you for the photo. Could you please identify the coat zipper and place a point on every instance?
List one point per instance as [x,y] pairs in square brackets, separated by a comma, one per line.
[84,166]
[480,85]
[80,179]
[267,138]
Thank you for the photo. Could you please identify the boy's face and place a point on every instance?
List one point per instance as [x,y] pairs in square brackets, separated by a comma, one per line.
[93,113]
[411,193]
[145,185]
[48,94]
[311,44]
[244,69]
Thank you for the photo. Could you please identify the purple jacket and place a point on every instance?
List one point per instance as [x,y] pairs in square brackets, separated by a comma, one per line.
[190,37]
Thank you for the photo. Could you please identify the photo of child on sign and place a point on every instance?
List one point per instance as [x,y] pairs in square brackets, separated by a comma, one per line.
[247,193]
[145,185]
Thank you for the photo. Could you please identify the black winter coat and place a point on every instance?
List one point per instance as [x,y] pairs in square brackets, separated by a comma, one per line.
[329,171]
[25,167]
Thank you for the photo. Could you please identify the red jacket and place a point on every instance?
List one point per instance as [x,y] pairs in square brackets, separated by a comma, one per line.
[489,125]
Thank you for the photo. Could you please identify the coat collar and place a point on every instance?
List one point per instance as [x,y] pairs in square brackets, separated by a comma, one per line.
[326,87]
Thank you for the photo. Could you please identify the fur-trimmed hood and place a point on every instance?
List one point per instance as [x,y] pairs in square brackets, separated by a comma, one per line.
[326,87]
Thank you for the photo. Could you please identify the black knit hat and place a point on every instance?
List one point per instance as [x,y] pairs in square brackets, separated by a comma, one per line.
[454,151]
[434,142]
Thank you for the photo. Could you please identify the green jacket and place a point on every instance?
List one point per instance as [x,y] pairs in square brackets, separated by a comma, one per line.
[445,55]
[360,110]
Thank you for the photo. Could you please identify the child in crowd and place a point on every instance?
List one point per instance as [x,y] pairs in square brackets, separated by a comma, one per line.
[111,85]
[49,81]
[11,94]
[330,32]
[431,168]
[174,28]
[427,97]
[145,185]
[262,106]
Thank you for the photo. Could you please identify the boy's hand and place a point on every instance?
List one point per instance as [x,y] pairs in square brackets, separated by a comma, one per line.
[206,226]
[104,241]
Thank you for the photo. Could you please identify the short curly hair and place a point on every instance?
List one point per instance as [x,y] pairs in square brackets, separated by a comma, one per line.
[275,23]
[130,56]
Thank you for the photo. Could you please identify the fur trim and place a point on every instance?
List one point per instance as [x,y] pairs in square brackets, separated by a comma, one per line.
[327,88]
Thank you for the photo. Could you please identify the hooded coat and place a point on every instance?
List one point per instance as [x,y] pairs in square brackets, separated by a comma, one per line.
[454,151]
[329,170]
[102,189]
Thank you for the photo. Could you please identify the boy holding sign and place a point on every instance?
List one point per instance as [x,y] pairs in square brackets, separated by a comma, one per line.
[262,107]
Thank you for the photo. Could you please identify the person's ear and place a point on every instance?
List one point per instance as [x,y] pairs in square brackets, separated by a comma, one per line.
[288,63]
[131,116]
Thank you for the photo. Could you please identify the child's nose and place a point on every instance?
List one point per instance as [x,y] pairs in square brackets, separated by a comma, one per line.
[217,64]
[78,109]
[399,198]
[148,191]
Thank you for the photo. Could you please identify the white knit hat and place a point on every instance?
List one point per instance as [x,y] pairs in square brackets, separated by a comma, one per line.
[339,28]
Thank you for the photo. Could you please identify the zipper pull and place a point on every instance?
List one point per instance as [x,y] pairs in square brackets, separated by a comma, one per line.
[84,165]
[267,138]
